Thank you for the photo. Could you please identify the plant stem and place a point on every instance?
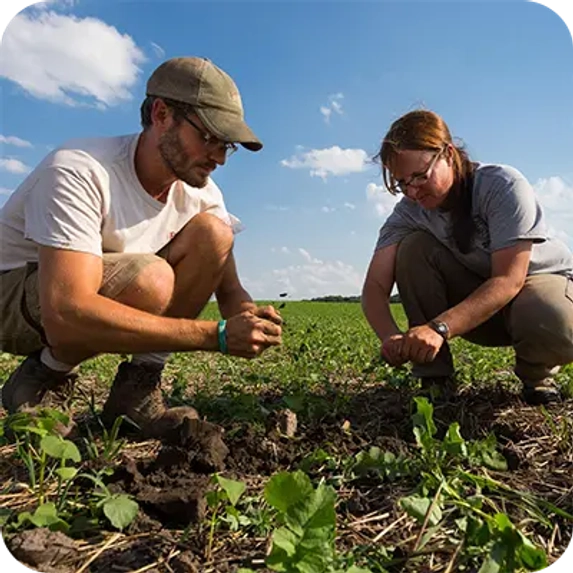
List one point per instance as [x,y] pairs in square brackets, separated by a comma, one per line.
[212,531]
[41,478]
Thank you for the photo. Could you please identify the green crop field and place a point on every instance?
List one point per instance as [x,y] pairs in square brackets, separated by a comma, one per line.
[336,463]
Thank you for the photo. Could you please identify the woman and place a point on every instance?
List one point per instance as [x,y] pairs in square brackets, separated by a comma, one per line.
[468,248]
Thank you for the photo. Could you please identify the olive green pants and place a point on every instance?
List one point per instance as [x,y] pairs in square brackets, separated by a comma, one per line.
[537,323]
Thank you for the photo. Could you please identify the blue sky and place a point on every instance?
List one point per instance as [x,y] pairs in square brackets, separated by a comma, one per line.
[321,82]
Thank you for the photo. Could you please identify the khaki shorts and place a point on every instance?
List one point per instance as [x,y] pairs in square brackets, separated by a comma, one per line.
[21,329]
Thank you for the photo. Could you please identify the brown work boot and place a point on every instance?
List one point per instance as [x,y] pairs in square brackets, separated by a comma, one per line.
[538,392]
[136,394]
[34,386]
[31,384]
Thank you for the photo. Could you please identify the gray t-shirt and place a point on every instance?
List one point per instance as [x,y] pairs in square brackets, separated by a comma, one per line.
[505,210]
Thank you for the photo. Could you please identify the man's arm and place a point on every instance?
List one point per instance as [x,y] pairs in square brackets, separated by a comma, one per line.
[232,298]
[74,314]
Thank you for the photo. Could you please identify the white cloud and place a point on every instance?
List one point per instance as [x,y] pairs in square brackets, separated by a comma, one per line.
[13,166]
[5,192]
[16,141]
[47,4]
[333,105]
[382,199]
[350,206]
[325,111]
[308,257]
[332,161]
[158,50]
[327,209]
[556,198]
[311,278]
[285,250]
[318,278]
[69,60]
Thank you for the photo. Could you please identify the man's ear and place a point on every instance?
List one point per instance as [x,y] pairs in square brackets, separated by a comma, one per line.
[160,113]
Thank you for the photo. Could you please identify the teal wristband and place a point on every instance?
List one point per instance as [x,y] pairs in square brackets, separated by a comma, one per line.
[222,336]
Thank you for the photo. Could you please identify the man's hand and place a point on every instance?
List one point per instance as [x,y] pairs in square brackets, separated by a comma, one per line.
[421,344]
[391,350]
[269,313]
[248,335]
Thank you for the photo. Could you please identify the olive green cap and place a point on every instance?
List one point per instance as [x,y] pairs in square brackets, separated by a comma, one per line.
[212,93]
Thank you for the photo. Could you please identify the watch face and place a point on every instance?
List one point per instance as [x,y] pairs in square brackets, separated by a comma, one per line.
[441,328]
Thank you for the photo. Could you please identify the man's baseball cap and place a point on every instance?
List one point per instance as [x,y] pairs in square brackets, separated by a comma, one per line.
[212,93]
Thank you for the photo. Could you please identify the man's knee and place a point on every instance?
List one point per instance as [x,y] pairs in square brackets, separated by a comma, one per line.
[148,284]
[212,227]
[207,234]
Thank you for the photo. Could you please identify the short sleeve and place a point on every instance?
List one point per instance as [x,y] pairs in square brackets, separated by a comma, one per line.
[512,211]
[64,209]
[212,202]
[396,227]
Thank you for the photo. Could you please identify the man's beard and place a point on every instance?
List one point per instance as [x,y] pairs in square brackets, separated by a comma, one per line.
[175,157]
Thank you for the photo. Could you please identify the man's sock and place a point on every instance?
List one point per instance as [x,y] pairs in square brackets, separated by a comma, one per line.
[47,358]
[159,358]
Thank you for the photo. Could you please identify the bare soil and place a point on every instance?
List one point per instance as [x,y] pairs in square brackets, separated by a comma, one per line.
[169,481]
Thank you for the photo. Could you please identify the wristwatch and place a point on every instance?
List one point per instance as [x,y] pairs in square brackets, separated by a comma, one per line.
[440,327]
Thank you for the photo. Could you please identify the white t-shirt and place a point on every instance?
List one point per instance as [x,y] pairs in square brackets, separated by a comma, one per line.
[85,196]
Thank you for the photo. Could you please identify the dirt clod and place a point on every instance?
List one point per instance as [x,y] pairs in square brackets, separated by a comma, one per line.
[42,548]
[185,563]
[171,488]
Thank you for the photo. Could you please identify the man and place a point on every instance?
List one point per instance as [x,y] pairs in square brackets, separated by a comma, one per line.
[116,245]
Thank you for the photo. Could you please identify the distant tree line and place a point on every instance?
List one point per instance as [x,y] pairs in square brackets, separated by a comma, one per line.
[395,298]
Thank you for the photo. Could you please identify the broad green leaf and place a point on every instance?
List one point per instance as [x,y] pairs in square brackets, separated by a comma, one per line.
[478,532]
[23,517]
[316,512]
[233,489]
[490,565]
[453,441]
[417,507]
[424,416]
[120,510]
[57,447]
[67,473]
[286,489]
[315,561]
[355,569]
[462,524]
[503,522]
[531,556]
[494,562]
[45,515]
[494,460]
[285,540]
[278,560]
[214,498]
[423,439]
[4,516]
